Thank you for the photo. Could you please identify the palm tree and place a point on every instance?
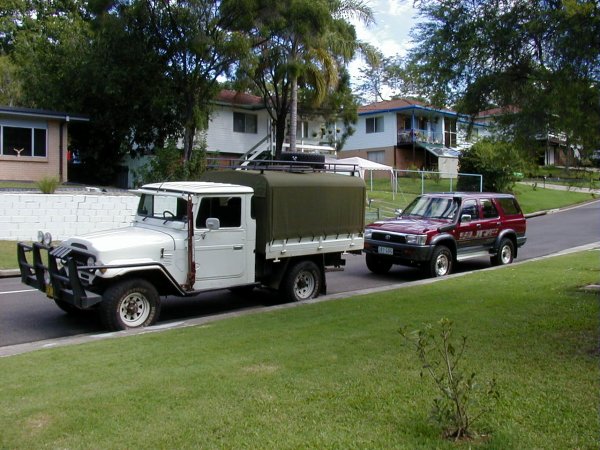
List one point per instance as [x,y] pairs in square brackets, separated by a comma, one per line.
[302,42]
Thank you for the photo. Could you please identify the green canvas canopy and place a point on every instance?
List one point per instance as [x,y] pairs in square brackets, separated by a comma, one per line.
[292,205]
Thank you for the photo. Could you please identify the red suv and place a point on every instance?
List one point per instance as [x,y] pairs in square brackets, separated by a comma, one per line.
[437,230]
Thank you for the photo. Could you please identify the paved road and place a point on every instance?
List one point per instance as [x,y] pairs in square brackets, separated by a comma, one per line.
[27,316]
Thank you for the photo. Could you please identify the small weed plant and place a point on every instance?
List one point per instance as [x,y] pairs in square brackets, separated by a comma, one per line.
[462,401]
[48,185]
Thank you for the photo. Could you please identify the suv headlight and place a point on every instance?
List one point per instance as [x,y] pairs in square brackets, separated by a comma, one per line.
[368,234]
[416,239]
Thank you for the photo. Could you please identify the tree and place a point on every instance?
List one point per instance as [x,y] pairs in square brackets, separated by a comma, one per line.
[496,161]
[298,44]
[371,79]
[542,58]
[10,85]
[86,61]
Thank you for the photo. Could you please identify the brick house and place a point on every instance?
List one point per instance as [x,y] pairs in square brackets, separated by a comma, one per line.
[33,143]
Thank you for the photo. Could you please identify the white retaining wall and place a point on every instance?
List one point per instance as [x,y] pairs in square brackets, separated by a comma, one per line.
[22,215]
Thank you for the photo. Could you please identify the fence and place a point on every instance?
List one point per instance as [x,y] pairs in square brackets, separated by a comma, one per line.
[385,196]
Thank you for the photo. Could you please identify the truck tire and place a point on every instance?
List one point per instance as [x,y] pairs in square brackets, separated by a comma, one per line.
[301,282]
[505,255]
[377,264]
[128,304]
[441,262]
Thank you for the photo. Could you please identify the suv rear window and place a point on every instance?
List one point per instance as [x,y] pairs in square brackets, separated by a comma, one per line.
[509,205]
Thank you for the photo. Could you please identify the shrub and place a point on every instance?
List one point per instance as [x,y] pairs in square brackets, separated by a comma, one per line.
[168,165]
[462,400]
[497,161]
[48,185]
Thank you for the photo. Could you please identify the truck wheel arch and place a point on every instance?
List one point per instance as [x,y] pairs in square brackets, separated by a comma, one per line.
[129,303]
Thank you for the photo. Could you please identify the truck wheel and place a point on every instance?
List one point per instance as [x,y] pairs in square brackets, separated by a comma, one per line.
[505,254]
[130,304]
[441,261]
[302,281]
[377,265]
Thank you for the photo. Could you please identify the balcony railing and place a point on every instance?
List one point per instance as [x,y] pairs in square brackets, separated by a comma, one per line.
[416,135]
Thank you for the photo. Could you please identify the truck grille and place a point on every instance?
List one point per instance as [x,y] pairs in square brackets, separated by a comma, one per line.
[389,237]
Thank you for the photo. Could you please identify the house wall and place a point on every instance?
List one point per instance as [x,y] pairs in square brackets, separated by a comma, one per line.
[362,140]
[27,168]
[222,139]
[63,215]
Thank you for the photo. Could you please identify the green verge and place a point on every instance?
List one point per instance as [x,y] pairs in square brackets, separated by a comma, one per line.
[532,199]
[327,375]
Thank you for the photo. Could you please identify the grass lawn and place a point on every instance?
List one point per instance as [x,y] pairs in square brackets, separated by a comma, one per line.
[327,375]
[531,199]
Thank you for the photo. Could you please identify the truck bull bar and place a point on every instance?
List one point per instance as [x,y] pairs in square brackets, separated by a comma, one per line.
[56,284]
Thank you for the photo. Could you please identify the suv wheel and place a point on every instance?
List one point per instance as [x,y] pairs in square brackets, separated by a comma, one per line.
[377,265]
[441,262]
[505,255]
[130,304]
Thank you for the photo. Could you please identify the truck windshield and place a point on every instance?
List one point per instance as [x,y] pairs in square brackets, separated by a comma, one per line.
[432,208]
[162,207]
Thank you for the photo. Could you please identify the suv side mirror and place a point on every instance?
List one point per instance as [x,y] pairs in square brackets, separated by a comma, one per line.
[213,223]
[465,218]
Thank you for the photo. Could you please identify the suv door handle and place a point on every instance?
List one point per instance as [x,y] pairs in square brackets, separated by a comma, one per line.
[238,247]
[478,225]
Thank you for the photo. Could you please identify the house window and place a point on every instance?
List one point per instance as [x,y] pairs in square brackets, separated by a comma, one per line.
[450,132]
[378,156]
[374,124]
[301,130]
[17,141]
[244,123]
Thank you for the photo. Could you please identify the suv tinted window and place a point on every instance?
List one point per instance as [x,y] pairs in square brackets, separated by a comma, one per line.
[509,205]
[488,208]
[470,207]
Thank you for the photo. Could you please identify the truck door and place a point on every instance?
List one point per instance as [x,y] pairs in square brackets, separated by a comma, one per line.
[220,254]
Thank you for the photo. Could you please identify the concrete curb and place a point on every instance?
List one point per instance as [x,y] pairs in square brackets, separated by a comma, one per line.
[17,349]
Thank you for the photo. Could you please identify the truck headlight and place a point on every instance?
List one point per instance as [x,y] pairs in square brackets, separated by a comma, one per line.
[44,238]
[416,239]
[368,234]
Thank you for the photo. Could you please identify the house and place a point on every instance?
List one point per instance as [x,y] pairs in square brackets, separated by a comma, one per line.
[552,147]
[33,143]
[240,128]
[408,134]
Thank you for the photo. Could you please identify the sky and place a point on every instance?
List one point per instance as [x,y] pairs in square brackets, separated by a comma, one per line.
[390,34]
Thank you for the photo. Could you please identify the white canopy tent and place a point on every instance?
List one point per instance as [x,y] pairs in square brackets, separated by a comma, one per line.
[361,165]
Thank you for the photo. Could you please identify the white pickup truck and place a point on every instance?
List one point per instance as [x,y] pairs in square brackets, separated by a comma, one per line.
[235,229]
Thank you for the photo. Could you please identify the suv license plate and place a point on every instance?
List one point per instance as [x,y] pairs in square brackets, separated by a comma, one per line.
[385,251]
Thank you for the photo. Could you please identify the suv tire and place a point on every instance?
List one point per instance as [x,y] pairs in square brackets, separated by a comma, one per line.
[441,262]
[506,253]
[128,304]
[377,265]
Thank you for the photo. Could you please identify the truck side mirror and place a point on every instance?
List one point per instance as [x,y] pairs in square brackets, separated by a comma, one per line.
[465,218]
[213,223]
